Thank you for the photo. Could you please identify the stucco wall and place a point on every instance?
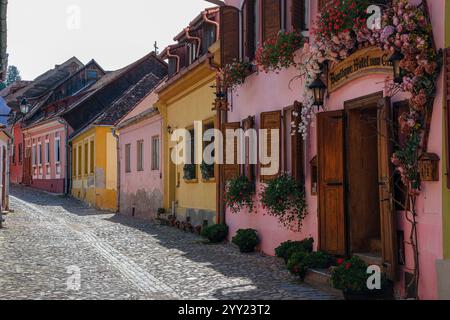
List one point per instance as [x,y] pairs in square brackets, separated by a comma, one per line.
[141,190]
[16,169]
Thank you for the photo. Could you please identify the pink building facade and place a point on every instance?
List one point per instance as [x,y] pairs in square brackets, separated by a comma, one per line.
[45,146]
[140,164]
[17,154]
[270,92]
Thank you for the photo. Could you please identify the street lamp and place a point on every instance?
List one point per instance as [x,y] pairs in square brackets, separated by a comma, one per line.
[395,60]
[318,88]
[24,106]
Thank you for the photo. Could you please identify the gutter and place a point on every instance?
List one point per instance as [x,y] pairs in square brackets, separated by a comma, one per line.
[67,168]
[115,135]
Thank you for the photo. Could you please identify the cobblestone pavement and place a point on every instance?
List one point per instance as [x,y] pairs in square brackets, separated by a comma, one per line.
[124,258]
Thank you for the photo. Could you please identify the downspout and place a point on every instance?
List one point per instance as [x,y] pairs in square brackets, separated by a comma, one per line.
[189,37]
[68,156]
[114,133]
[220,119]
[207,20]
[169,55]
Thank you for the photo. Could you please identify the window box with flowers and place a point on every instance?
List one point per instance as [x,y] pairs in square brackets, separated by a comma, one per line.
[234,74]
[278,52]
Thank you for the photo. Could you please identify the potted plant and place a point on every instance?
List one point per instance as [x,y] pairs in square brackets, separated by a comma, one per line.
[246,240]
[239,194]
[284,198]
[207,170]
[216,233]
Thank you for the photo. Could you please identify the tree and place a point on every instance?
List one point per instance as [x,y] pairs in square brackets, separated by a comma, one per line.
[12,75]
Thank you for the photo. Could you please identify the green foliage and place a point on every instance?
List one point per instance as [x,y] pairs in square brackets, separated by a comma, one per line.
[215,233]
[284,198]
[278,52]
[288,248]
[189,172]
[351,276]
[300,262]
[239,194]
[246,240]
[12,75]
[207,170]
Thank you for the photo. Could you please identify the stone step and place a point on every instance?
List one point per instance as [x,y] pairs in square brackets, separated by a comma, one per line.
[321,279]
[372,259]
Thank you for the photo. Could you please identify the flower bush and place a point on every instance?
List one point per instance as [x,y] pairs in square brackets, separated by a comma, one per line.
[278,52]
[300,262]
[216,233]
[234,74]
[239,194]
[284,198]
[288,248]
[246,240]
[351,276]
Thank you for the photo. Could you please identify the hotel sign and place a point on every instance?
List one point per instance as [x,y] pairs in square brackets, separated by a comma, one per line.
[365,61]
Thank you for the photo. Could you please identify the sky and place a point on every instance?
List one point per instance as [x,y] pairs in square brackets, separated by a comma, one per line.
[115,33]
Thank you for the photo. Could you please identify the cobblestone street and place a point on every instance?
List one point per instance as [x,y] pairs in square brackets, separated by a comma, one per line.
[124,258]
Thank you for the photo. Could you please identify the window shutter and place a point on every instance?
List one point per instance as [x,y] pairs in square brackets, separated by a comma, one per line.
[271,121]
[231,171]
[249,168]
[447,111]
[298,171]
[387,208]
[229,37]
[271,18]
[298,15]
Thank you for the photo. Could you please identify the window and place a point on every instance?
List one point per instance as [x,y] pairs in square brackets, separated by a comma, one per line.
[80,163]
[92,153]
[33,155]
[91,75]
[300,15]
[192,51]
[47,152]
[155,153]
[190,148]
[128,158]
[74,165]
[58,150]
[209,36]
[207,127]
[251,14]
[40,154]
[293,154]
[86,158]
[140,155]
[20,153]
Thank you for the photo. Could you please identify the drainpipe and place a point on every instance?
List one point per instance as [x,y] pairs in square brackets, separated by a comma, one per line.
[68,156]
[207,20]
[169,55]
[189,37]
[114,133]
[220,119]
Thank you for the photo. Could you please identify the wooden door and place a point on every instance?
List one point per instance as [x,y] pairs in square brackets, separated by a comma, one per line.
[330,141]
[388,216]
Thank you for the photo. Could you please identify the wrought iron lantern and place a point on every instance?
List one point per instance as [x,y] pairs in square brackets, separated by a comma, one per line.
[318,88]
[24,106]
[395,60]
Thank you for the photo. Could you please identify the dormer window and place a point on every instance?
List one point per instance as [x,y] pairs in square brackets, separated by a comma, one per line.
[192,51]
[91,75]
[209,36]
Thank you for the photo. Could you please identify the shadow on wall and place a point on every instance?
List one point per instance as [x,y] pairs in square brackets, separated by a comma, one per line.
[142,204]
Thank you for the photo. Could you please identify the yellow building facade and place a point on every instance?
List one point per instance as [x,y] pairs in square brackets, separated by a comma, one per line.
[184,100]
[94,168]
